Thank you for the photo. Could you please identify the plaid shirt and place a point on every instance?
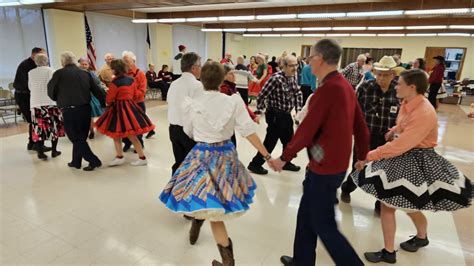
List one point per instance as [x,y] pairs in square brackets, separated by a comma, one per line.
[380,109]
[280,92]
[353,73]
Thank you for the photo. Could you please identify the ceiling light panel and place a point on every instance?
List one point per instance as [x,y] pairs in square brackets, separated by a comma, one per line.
[171,20]
[204,19]
[316,28]
[375,13]
[435,27]
[438,11]
[233,18]
[279,16]
[321,15]
[259,29]
[286,29]
[386,28]
[349,28]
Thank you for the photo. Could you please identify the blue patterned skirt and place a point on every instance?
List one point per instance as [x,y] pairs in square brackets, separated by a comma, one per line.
[96,109]
[211,184]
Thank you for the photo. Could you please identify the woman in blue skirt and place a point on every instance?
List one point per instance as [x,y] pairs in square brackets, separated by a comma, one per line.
[212,184]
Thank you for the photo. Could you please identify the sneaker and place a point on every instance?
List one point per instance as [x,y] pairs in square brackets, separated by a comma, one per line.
[414,244]
[381,256]
[139,162]
[259,170]
[291,167]
[117,161]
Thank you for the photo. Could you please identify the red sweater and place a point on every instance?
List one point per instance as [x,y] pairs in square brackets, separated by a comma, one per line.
[120,89]
[334,115]
[140,78]
[437,74]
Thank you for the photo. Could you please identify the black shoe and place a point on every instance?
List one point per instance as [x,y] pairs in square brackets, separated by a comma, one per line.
[47,149]
[259,170]
[91,167]
[73,166]
[42,156]
[126,147]
[31,146]
[91,135]
[189,218]
[291,167]
[286,260]
[381,256]
[150,134]
[55,154]
[345,197]
[414,244]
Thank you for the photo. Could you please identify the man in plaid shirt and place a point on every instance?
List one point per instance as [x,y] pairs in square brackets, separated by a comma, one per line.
[278,97]
[378,101]
[353,71]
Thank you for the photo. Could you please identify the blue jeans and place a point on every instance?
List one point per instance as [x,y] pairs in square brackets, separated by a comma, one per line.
[316,218]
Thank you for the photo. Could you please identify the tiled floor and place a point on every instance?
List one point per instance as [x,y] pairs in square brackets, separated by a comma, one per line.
[51,214]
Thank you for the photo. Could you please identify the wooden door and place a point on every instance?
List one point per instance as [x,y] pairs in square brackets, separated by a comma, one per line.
[431,52]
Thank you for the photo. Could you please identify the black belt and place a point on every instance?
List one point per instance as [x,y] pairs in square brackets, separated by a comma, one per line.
[22,92]
[277,111]
[72,107]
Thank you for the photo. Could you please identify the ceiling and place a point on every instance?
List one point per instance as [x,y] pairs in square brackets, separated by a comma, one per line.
[154,9]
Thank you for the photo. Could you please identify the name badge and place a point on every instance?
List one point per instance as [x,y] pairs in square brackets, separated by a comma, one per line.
[393,109]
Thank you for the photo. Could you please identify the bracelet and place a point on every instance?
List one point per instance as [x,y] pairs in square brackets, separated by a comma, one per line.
[268,157]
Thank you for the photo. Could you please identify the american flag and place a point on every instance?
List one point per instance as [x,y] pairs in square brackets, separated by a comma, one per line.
[90,46]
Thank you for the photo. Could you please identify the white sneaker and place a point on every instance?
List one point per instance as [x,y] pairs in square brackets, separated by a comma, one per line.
[139,162]
[117,161]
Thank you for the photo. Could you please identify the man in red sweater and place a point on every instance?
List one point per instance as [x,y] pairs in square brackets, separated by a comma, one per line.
[333,117]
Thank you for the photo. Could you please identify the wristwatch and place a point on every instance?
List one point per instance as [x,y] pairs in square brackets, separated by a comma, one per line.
[268,157]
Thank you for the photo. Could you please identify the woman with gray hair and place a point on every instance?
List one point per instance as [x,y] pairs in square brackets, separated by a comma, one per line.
[46,117]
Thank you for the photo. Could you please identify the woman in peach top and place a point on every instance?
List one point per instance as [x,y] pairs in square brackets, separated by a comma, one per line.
[406,173]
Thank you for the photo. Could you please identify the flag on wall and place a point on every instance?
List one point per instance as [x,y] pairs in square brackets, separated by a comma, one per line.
[148,42]
[90,46]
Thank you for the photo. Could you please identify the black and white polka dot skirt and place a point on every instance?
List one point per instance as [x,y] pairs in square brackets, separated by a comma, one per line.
[419,179]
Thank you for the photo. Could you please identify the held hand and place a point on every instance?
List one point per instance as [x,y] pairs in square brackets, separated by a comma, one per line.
[276,164]
[360,165]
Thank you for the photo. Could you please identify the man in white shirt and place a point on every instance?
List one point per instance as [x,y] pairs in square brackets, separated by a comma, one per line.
[186,86]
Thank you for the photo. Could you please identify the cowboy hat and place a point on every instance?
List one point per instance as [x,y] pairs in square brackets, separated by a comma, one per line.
[385,64]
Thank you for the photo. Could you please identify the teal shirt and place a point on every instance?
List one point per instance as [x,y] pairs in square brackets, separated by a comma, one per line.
[308,78]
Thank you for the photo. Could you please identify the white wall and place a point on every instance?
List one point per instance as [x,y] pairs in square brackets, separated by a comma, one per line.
[191,37]
[412,47]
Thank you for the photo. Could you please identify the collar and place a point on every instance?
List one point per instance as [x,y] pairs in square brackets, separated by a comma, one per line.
[133,70]
[188,75]
[329,75]
[413,103]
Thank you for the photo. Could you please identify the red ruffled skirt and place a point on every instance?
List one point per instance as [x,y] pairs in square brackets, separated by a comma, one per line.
[123,119]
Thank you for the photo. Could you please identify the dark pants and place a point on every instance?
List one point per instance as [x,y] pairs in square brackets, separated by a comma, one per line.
[244,93]
[163,86]
[316,218]
[23,102]
[126,141]
[306,90]
[376,140]
[280,127]
[434,88]
[182,145]
[77,122]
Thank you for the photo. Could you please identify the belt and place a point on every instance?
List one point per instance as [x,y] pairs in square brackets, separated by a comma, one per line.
[72,107]
[22,92]
[278,111]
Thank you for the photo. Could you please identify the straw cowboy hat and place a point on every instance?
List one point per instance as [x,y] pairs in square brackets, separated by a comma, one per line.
[385,64]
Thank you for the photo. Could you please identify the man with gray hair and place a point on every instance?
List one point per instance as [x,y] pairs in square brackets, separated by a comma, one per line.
[354,71]
[278,97]
[333,117]
[105,73]
[71,88]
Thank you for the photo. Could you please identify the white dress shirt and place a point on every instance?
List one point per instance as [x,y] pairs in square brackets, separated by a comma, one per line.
[213,117]
[38,79]
[186,86]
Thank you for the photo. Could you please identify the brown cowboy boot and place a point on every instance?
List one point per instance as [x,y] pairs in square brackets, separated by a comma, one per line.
[227,254]
[195,230]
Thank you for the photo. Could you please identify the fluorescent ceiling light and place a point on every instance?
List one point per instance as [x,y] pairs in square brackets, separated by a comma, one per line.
[286,29]
[349,28]
[375,13]
[271,35]
[454,34]
[421,34]
[338,35]
[211,30]
[364,35]
[386,28]
[391,35]
[280,16]
[259,29]
[316,28]
[438,11]
[467,27]
[314,35]
[171,20]
[292,35]
[10,3]
[426,27]
[203,19]
[144,20]
[251,35]
[322,15]
[231,18]
[235,30]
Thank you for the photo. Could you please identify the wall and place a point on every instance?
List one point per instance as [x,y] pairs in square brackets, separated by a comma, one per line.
[413,47]
[235,44]
[214,45]
[65,32]
[161,44]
